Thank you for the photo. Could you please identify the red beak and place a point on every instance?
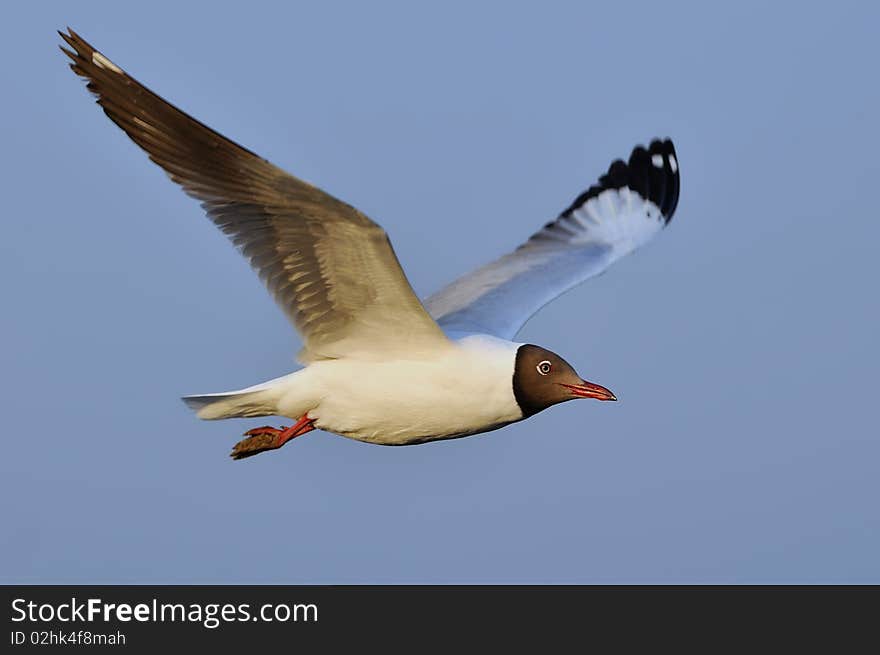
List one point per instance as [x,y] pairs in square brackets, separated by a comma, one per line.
[590,390]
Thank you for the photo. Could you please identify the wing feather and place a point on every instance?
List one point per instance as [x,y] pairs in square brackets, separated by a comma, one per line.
[330,268]
[629,205]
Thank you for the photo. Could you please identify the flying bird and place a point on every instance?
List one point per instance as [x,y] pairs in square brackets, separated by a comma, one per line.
[379,365]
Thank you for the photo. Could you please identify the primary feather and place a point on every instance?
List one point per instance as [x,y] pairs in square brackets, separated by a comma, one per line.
[330,268]
[630,204]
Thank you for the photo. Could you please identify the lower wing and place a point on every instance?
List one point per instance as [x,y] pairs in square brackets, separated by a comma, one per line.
[631,203]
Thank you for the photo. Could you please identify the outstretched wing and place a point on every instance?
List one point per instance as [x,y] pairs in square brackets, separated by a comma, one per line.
[632,202]
[330,268]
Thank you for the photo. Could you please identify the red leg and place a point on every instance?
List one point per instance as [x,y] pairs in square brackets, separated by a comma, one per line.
[269,438]
[298,429]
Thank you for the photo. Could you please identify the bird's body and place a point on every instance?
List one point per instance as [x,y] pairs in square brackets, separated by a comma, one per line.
[381,366]
[461,389]
[458,391]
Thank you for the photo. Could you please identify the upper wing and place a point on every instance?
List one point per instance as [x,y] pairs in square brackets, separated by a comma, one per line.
[631,203]
[330,268]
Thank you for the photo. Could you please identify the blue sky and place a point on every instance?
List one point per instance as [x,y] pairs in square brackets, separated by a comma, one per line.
[742,343]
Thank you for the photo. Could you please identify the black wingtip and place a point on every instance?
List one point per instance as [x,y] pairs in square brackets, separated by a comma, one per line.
[652,172]
[665,176]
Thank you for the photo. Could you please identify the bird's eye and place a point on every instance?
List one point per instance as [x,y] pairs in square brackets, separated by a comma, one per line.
[543,367]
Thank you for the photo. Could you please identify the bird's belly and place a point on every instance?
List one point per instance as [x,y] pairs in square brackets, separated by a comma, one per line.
[415,404]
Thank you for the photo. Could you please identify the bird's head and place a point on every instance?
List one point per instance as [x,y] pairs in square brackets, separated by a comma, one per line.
[542,378]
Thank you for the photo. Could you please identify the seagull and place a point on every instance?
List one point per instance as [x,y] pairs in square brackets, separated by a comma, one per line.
[379,365]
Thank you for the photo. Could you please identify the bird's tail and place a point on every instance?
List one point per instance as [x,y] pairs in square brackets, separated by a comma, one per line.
[245,403]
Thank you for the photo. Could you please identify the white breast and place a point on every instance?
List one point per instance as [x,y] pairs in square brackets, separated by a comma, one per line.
[465,389]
